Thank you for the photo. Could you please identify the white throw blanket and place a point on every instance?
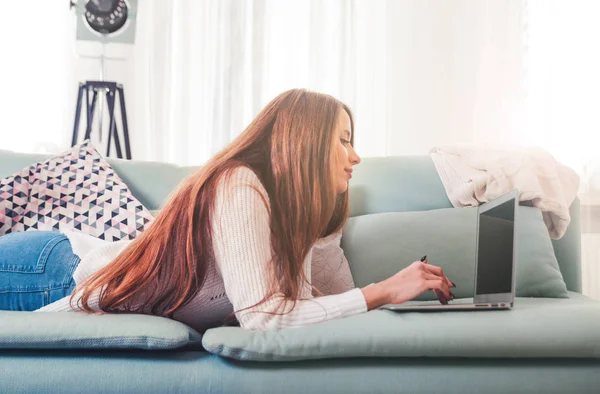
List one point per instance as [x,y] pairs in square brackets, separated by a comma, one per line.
[473,174]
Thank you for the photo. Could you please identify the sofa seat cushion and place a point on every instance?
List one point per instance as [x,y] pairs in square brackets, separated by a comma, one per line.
[535,327]
[76,330]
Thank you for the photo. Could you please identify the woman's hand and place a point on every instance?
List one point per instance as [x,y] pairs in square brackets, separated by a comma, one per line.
[409,283]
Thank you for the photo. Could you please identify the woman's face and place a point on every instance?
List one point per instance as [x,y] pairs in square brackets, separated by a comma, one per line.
[346,156]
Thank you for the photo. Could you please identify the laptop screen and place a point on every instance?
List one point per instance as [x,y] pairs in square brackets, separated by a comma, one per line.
[495,249]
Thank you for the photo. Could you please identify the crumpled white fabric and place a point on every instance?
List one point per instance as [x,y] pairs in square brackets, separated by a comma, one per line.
[476,173]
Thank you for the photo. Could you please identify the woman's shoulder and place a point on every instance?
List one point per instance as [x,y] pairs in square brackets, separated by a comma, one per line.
[241,177]
[241,173]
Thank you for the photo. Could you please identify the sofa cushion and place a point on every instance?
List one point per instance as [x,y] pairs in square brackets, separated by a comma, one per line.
[73,330]
[379,245]
[535,327]
[76,189]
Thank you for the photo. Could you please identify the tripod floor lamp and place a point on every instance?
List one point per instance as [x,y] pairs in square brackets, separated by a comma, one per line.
[111,92]
[104,21]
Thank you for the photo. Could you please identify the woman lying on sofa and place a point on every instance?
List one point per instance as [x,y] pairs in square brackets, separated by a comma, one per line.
[234,239]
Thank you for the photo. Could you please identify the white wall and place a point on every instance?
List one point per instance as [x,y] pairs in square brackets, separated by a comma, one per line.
[34,100]
[40,72]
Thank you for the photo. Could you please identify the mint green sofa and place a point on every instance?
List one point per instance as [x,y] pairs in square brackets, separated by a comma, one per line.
[559,357]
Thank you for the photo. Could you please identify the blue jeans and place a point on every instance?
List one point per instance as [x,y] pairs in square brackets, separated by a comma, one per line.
[36,268]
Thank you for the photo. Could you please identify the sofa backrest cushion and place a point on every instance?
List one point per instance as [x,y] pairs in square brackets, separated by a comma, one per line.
[379,245]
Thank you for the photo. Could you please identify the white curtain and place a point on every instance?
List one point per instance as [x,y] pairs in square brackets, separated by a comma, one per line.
[204,69]
[563,83]
[416,73]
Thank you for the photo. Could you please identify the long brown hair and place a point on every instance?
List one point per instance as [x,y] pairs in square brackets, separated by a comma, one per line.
[289,146]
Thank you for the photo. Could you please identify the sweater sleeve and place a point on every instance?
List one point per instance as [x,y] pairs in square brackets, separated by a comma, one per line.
[242,247]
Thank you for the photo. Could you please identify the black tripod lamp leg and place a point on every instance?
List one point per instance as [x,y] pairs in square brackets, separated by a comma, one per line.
[116,129]
[77,115]
[124,118]
[88,132]
[88,129]
[118,143]
[112,131]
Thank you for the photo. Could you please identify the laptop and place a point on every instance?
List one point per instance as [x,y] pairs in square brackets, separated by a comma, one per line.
[496,251]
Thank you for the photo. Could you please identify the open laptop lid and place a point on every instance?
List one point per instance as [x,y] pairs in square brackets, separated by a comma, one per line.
[496,250]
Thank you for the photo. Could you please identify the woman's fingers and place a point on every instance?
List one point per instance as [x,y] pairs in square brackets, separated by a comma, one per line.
[439,272]
[441,297]
[439,285]
[435,280]
[428,276]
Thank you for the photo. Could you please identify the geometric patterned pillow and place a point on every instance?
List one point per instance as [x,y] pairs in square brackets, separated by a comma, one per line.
[78,190]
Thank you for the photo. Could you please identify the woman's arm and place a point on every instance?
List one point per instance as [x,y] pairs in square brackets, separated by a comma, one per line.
[242,245]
